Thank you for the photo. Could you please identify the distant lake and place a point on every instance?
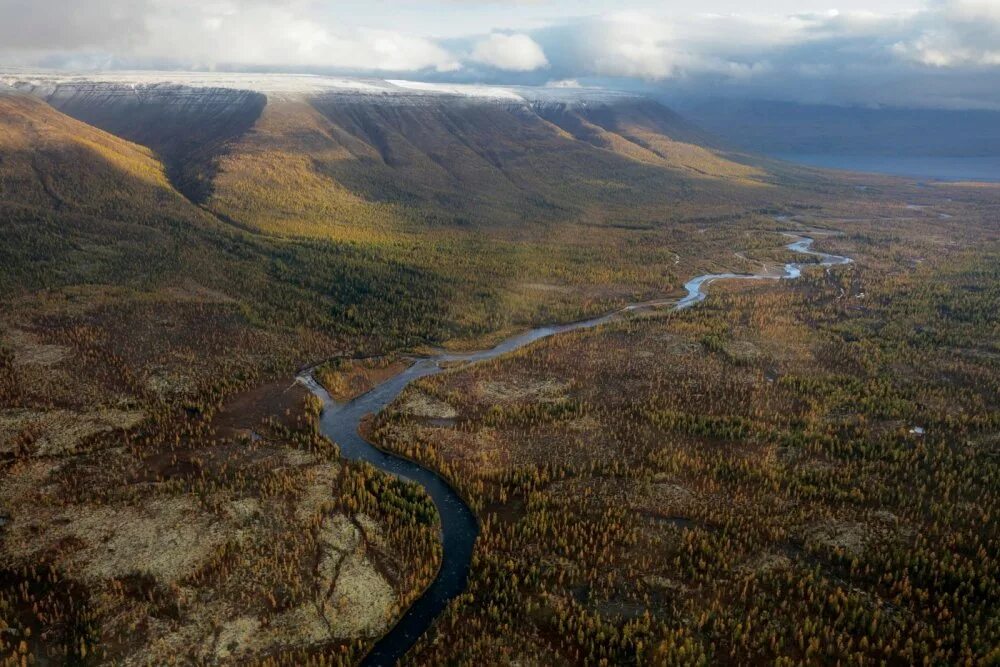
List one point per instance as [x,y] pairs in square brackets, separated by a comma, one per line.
[938,168]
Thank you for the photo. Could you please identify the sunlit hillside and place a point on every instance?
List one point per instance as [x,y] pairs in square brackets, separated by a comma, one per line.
[363,157]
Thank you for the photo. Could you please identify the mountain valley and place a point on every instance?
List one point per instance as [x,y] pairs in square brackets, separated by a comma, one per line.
[670,487]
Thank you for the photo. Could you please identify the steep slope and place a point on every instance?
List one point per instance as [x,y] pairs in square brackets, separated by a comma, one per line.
[80,205]
[278,179]
[184,126]
[36,140]
[489,162]
[354,158]
[87,213]
[649,132]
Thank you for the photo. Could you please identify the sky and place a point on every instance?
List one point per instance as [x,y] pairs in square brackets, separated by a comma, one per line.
[926,53]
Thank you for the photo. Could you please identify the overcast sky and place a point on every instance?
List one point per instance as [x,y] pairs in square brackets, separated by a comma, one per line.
[939,53]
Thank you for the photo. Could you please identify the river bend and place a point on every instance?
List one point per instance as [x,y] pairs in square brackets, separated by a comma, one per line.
[340,422]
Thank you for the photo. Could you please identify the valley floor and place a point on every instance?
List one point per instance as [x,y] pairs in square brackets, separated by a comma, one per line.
[789,471]
[792,472]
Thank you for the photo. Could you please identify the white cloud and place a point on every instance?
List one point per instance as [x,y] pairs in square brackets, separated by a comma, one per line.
[962,33]
[513,53]
[952,33]
[240,32]
[947,53]
[564,83]
[35,25]
[265,34]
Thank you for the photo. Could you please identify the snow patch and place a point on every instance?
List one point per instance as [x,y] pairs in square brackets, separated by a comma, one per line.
[292,86]
[462,90]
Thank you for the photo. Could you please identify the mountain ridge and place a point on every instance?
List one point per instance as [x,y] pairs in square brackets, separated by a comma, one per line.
[51,85]
[334,149]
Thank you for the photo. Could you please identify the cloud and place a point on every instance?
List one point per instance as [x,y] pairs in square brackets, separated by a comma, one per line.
[512,53]
[36,25]
[263,33]
[962,34]
[945,54]
[564,83]
[221,33]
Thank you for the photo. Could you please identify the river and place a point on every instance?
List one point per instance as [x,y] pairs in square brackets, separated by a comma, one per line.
[459,528]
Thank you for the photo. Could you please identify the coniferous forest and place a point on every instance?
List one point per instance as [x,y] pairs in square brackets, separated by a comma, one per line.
[789,472]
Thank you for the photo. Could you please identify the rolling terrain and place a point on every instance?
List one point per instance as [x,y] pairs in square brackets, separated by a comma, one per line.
[176,246]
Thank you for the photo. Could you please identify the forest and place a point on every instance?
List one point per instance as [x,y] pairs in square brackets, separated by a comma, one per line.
[786,474]
[789,472]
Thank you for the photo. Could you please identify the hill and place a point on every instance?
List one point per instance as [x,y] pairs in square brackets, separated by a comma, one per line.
[80,205]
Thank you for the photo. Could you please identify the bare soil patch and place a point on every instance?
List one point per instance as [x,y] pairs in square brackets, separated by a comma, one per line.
[30,351]
[55,432]
[497,391]
[166,538]
[420,404]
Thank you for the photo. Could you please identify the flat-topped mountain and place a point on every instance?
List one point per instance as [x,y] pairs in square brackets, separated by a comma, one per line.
[245,183]
[457,153]
[53,85]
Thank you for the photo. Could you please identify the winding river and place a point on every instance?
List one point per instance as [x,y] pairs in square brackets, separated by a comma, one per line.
[340,422]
